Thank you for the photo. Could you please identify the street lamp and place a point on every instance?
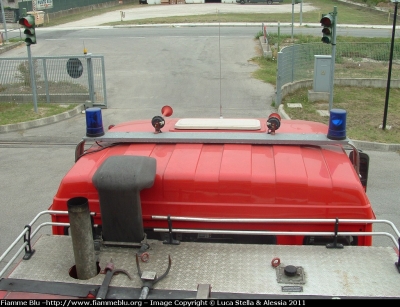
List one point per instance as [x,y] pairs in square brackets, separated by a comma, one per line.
[396,2]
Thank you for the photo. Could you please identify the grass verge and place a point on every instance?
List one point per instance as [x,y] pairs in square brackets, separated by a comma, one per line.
[12,113]
[349,14]
[364,107]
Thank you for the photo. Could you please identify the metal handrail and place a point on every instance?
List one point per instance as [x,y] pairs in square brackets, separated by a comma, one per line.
[214,220]
[22,234]
[295,221]
[26,229]
[278,233]
[24,244]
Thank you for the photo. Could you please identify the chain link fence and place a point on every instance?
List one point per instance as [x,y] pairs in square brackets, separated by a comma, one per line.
[65,79]
[352,61]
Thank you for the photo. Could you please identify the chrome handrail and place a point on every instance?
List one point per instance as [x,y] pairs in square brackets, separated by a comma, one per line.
[295,221]
[26,229]
[278,233]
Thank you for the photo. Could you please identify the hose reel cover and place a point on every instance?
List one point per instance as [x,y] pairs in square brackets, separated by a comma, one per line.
[119,181]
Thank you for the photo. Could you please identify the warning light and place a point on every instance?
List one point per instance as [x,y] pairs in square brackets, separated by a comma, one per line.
[94,122]
[337,124]
[158,122]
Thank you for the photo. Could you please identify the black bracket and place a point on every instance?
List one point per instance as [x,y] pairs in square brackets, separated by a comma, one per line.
[335,244]
[170,238]
[28,248]
[397,264]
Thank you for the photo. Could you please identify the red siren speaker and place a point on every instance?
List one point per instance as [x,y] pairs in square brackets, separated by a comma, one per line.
[166,111]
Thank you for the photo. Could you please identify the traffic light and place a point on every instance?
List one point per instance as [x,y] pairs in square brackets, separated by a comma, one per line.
[29,24]
[327,21]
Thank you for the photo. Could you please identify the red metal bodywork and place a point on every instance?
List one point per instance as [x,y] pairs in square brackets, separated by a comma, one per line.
[234,181]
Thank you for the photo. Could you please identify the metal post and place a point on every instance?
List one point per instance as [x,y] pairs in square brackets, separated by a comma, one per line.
[46,81]
[104,81]
[4,20]
[293,47]
[292,18]
[279,79]
[82,237]
[33,81]
[279,33]
[90,77]
[390,68]
[333,58]
[301,12]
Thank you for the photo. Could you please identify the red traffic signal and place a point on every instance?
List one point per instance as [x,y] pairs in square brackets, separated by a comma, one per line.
[327,22]
[28,22]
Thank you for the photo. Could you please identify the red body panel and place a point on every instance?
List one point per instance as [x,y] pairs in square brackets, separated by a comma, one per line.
[235,181]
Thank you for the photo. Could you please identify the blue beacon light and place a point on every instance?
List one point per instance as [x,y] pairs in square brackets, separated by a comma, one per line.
[337,124]
[94,122]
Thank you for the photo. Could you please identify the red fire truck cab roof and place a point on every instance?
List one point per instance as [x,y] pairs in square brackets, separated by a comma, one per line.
[228,168]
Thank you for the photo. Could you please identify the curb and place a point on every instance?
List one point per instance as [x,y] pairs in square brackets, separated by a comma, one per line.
[10,46]
[42,121]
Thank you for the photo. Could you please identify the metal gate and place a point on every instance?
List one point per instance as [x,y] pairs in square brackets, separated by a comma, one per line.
[65,79]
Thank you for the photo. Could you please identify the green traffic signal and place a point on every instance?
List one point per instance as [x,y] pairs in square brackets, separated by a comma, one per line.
[327,22]
[28,22]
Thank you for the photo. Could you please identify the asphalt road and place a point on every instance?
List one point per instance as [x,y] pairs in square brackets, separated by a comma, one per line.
[149,68]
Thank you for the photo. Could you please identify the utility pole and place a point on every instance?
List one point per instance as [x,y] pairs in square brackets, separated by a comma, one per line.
[333,58]
[396,2]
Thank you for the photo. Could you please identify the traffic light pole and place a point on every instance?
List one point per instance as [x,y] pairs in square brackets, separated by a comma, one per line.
[4,21]
[33,81]
[333,57]
[28,22]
